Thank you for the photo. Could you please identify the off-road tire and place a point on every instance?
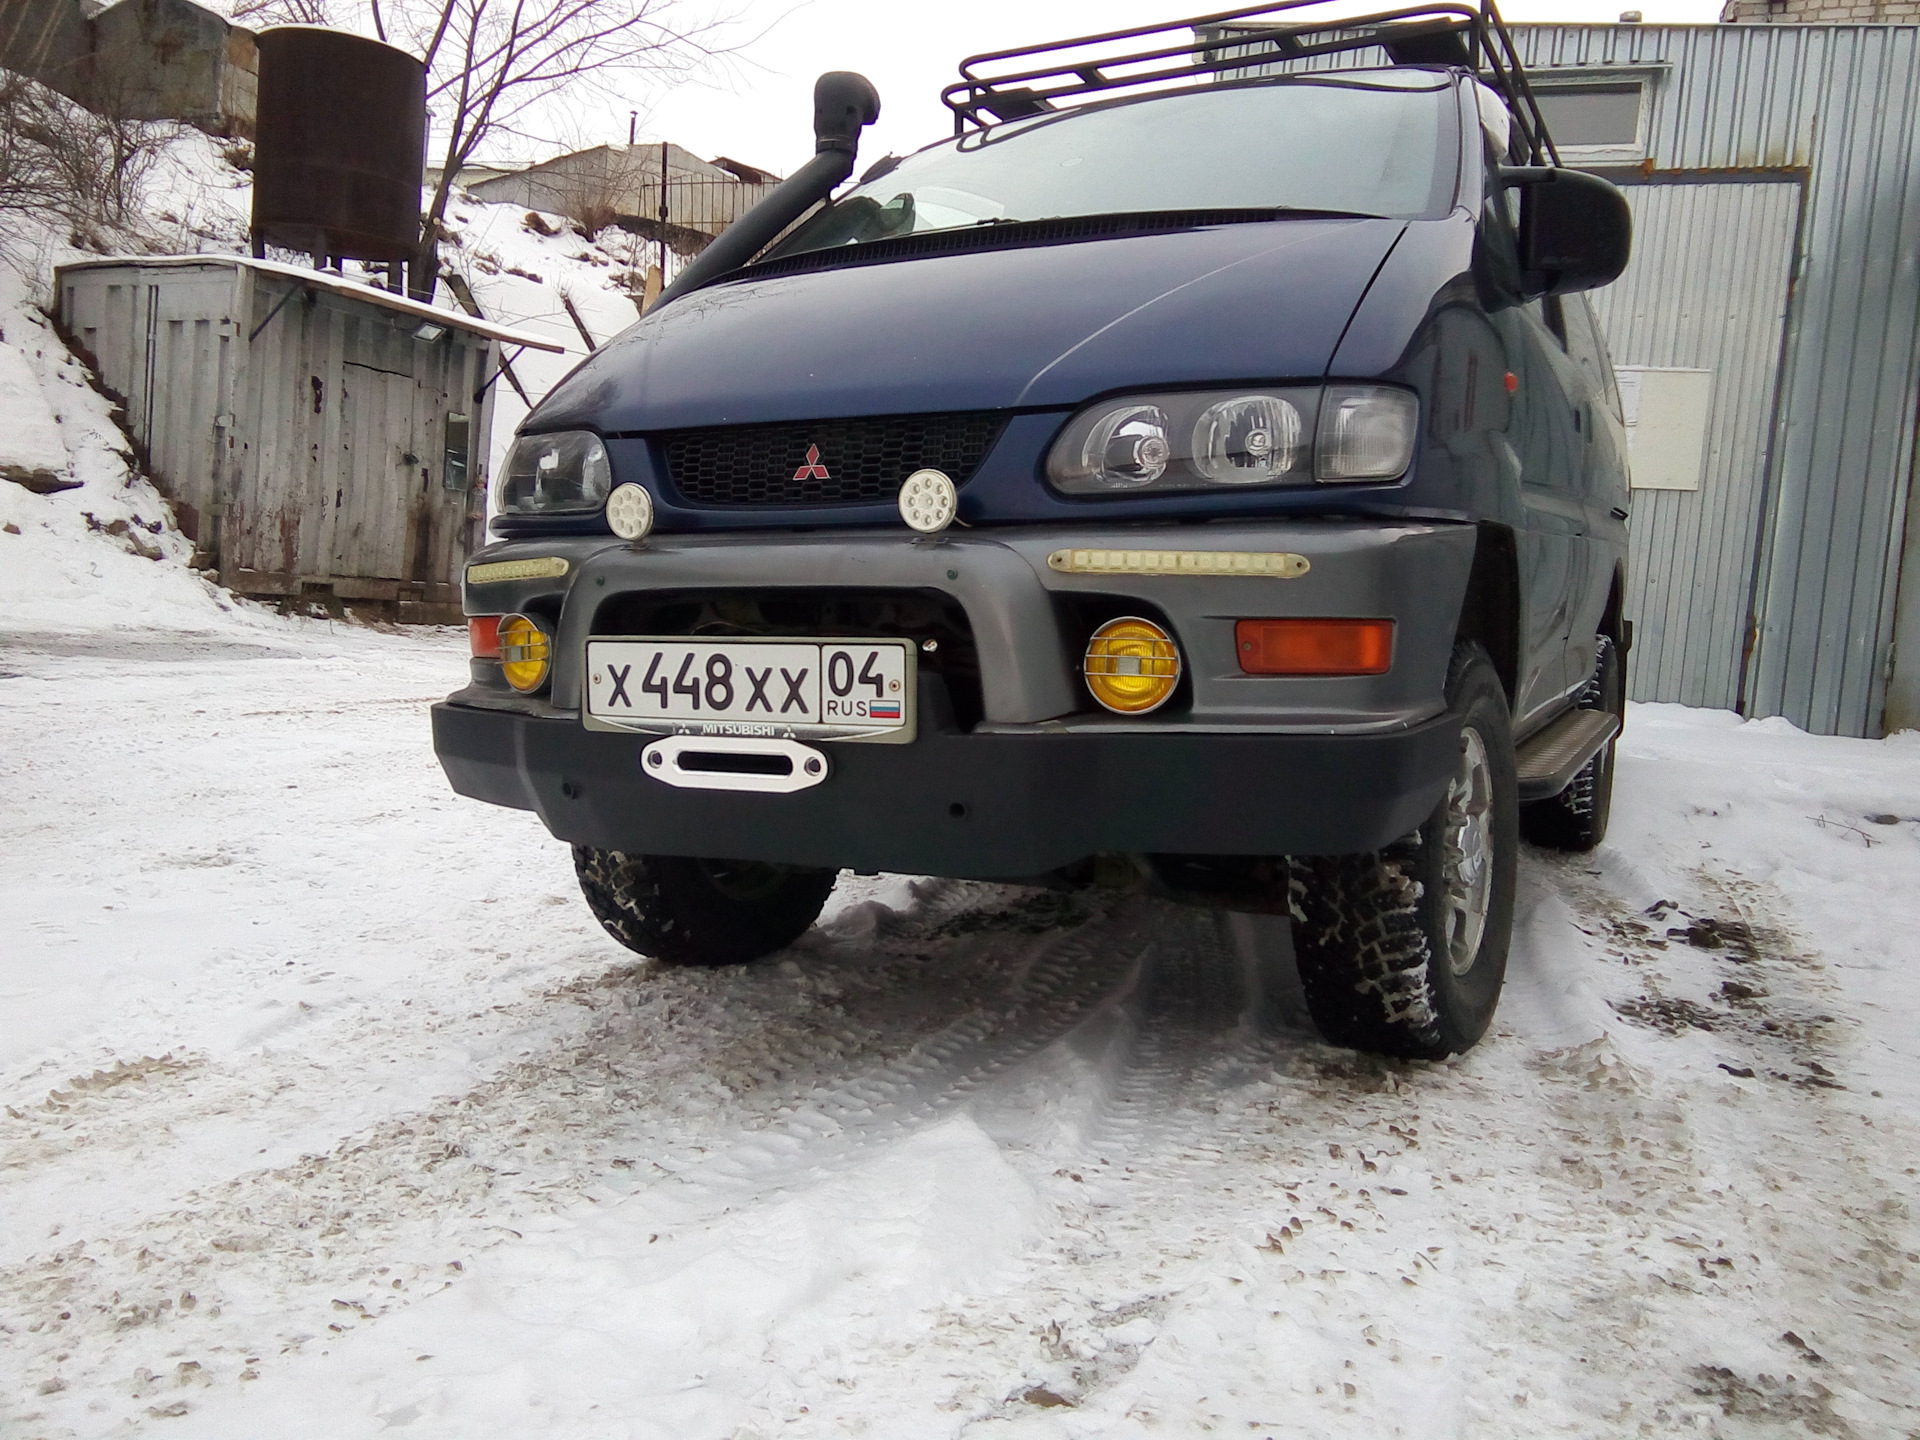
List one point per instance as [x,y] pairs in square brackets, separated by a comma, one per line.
[1576,818]
[1371,934]
[699,912]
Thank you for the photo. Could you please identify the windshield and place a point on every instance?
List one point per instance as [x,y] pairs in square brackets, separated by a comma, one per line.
[1382,143]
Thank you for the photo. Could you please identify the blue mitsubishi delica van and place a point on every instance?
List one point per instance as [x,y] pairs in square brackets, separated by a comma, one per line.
[1201,468]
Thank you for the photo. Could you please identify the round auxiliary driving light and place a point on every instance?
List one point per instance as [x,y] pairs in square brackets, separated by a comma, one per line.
[630,511]
[928,501]
[1132,665]
[526,652]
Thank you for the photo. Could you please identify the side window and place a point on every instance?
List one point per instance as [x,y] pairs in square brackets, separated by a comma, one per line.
[1589,351]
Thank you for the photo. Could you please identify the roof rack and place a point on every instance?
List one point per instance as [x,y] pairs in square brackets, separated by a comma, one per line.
[1034,79]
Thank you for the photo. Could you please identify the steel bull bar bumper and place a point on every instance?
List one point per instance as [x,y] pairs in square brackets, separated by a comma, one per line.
[970,805]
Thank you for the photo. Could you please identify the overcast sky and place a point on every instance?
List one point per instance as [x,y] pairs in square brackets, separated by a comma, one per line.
[762,112]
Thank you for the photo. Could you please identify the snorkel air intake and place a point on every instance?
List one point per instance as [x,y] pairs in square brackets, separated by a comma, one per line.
[843,104]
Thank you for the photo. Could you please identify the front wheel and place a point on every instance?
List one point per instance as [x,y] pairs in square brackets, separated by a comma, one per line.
[1402,951]
[700,912]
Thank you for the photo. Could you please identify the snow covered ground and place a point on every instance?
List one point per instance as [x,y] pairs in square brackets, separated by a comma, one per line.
[329,1110]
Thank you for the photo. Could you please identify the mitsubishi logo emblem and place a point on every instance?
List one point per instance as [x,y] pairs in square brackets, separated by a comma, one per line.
[811,468]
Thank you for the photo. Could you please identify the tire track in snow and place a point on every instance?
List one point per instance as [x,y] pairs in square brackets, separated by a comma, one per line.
[753,1091]
[1165,1133]
[1253,1230]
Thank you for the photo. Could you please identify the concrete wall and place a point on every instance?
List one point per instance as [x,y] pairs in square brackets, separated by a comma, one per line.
[137,60]
[48,40]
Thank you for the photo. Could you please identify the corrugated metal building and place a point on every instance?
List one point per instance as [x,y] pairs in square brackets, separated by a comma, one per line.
[314,434]
[620,184]
[1775,182]
[1769,320]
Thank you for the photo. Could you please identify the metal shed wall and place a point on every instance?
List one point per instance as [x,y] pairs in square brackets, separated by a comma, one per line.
[300,433]
[1843,101]
[1718,306]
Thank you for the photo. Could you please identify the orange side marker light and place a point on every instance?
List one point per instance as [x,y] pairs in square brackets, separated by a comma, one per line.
[483,636]
[1314,647]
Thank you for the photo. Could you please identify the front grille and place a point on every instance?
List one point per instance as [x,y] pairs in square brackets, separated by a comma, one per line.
[825,462]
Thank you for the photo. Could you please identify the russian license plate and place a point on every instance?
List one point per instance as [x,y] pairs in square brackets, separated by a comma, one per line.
[802,689]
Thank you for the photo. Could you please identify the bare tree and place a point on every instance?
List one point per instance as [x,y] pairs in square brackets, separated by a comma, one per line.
[493,64]
[283,12]
[85,165]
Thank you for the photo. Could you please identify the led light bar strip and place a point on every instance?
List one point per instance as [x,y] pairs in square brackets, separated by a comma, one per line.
[550,567]
[1272,565]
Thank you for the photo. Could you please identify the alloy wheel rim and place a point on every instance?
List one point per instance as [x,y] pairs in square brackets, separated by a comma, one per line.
[1466,862]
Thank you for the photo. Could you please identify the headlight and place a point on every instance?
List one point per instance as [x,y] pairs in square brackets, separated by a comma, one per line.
[1127,446]
[1248,440]
[1202,439]
[554,474]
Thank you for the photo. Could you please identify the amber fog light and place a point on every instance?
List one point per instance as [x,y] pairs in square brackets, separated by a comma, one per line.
[526,653]
[1314,647]
[1132,665]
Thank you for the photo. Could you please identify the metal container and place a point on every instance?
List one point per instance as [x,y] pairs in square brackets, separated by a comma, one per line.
[339,145]
[317,437]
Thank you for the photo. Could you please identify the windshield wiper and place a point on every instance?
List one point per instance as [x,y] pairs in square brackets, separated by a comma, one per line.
[1125,220]
[997,231]
[1142,219]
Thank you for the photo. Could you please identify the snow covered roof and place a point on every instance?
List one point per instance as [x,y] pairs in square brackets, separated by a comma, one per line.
[337,284]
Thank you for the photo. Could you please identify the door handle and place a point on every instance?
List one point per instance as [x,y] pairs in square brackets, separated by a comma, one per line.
[1620,512]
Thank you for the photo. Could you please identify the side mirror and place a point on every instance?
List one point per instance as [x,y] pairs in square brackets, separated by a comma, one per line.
[1576,232]
[843,104]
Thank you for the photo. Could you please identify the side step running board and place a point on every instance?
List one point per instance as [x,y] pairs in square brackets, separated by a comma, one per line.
[1547,762]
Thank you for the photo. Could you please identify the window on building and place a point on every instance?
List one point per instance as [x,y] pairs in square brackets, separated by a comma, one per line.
[456,456]
[1593,117]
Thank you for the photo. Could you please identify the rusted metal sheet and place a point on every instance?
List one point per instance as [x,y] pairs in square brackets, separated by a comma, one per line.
[339,145]
[303,432]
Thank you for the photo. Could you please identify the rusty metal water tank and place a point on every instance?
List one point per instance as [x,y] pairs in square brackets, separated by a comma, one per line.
[339,145]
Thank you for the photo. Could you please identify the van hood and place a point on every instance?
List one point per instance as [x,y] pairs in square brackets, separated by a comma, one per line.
[1037,326]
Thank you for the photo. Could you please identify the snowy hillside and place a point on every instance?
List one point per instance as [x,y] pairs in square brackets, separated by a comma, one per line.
[85,541]
[105,550]
[522,277]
